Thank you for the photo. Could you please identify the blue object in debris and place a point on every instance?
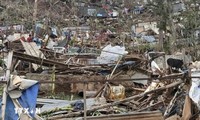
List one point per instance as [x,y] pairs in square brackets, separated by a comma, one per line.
[79,105]
[37,41]
[27,100]
[149,38]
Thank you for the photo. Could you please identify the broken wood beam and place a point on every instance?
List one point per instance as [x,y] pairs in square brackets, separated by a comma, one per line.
[77,55]
[153,115]
[87,93]
[137,96]
[142,109]
[119,102]
[37,60]
[93,80]
[138,89]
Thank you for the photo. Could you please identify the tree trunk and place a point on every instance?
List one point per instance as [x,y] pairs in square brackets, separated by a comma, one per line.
[172,28]
[34,14]
[161,37]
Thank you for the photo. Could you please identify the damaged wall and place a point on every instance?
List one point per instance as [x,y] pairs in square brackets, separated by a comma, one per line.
[66,88]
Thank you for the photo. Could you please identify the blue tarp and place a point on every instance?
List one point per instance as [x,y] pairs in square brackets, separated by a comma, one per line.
[27,100]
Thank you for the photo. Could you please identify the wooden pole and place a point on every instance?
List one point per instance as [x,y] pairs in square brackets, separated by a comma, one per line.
[85,106]
[115,68]
[161,37]
[53,80]
[153,105]
[187,108]
[30,67]
[35,14]
[172,27]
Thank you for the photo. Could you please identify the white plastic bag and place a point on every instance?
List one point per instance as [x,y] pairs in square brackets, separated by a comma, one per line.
[194,92]
[111,54]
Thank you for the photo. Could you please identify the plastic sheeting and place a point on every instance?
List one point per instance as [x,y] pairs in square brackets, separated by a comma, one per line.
[111,54]
[54,31]
[27,100]
[194,92]
[149,38]
[51,44]
[155,68]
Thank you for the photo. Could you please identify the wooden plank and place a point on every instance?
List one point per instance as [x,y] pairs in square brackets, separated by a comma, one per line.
[25,47]
[36,60]
[29,51]
[37,50]
[67,55]
[32,52]
[50,101]
[151,115]
[85,106]
[130,116]
[32,49]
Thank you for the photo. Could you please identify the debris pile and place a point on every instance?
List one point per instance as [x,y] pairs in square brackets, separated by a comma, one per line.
[123,86]
[112,70]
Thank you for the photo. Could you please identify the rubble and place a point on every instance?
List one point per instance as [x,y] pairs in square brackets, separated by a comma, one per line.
[161,93]
[116,73]
[151,99]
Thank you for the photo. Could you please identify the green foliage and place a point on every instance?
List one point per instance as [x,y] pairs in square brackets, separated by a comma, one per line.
[145,46]
[1,62]
[190,22]
[166,47]
[160,8]
[1,89]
